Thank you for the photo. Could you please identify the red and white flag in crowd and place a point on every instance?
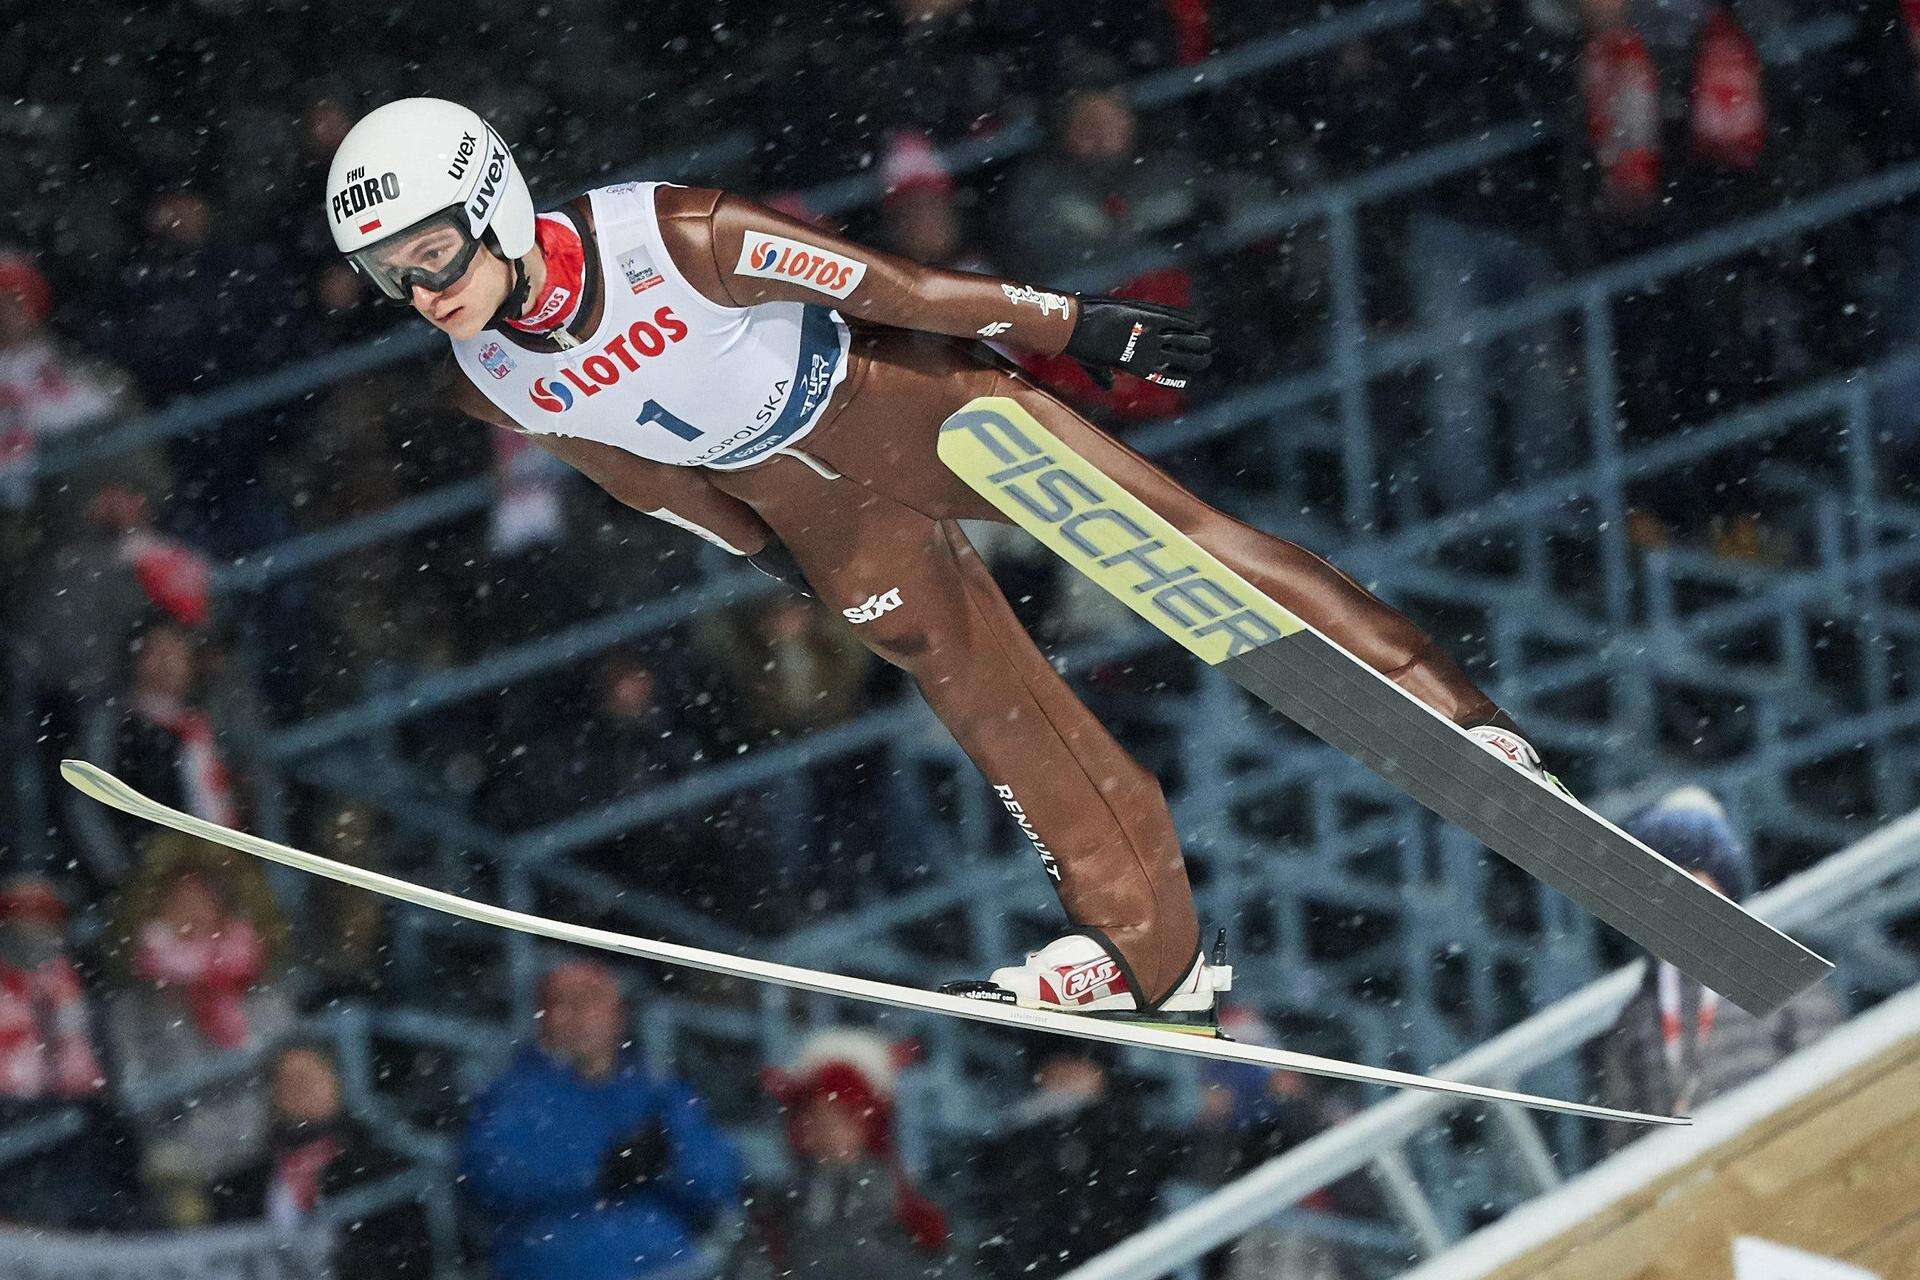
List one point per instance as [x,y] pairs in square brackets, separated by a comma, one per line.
[1622,89]
[1729,116]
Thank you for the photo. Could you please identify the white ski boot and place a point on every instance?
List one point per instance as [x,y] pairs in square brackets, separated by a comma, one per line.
[1075,974]
[1519,753]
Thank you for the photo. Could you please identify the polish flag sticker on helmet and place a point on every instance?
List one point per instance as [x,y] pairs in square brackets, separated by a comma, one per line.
[778,258]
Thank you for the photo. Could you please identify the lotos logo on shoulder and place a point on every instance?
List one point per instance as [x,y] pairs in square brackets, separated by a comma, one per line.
[778,258]
[621,355]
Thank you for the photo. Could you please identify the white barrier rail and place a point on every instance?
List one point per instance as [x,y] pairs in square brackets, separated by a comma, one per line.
[1800,1076]
[1841,890]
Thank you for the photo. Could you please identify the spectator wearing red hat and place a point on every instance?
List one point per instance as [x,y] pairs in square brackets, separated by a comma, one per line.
[851,1209]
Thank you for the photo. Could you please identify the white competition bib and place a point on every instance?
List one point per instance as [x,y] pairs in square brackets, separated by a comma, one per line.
[667,375]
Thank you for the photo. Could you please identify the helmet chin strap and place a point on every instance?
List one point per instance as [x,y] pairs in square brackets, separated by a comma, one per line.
[516,299]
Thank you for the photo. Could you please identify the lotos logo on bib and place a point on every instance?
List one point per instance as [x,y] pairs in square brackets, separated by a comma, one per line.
[777,258]
[621,355]
[552,395]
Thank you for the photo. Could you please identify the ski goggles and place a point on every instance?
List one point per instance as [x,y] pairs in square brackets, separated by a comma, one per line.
[432,253]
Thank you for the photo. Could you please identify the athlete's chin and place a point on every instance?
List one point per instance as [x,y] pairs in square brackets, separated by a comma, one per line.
[461,323]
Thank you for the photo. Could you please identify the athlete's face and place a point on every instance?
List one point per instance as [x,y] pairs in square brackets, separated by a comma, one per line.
[463,308]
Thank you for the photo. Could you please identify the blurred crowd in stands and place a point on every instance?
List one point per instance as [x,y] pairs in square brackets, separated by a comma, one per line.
[166,243]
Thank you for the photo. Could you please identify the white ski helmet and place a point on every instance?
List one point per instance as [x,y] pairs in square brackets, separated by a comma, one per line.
[414,190]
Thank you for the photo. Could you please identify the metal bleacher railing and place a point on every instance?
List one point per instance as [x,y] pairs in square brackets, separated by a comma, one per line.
[416,698]
[1848,905]
[353,1030]
[1403,563]
[1353,847]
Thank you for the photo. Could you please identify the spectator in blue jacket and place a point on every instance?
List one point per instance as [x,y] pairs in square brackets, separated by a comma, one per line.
[580,1164]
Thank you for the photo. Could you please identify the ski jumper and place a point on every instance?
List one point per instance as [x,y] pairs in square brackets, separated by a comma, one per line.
[752,378]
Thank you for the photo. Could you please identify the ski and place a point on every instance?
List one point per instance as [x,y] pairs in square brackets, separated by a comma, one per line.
[1006,455]
[109,790]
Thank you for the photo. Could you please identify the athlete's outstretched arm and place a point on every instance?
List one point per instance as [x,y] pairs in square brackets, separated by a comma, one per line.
[736,253]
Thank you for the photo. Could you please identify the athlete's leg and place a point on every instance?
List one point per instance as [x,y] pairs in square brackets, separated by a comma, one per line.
[931,608]
[886,440]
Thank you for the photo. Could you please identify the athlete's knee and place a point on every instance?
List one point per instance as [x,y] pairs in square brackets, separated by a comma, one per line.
[893,635]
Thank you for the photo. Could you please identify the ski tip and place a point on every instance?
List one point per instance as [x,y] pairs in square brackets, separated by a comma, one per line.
[95,783]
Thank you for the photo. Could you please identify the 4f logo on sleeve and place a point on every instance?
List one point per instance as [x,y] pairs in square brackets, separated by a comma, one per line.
[778,258]
[873,607]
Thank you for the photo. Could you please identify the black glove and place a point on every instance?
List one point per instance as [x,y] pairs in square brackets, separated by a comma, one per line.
[1145,339]
[776,561]
[636,1160]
